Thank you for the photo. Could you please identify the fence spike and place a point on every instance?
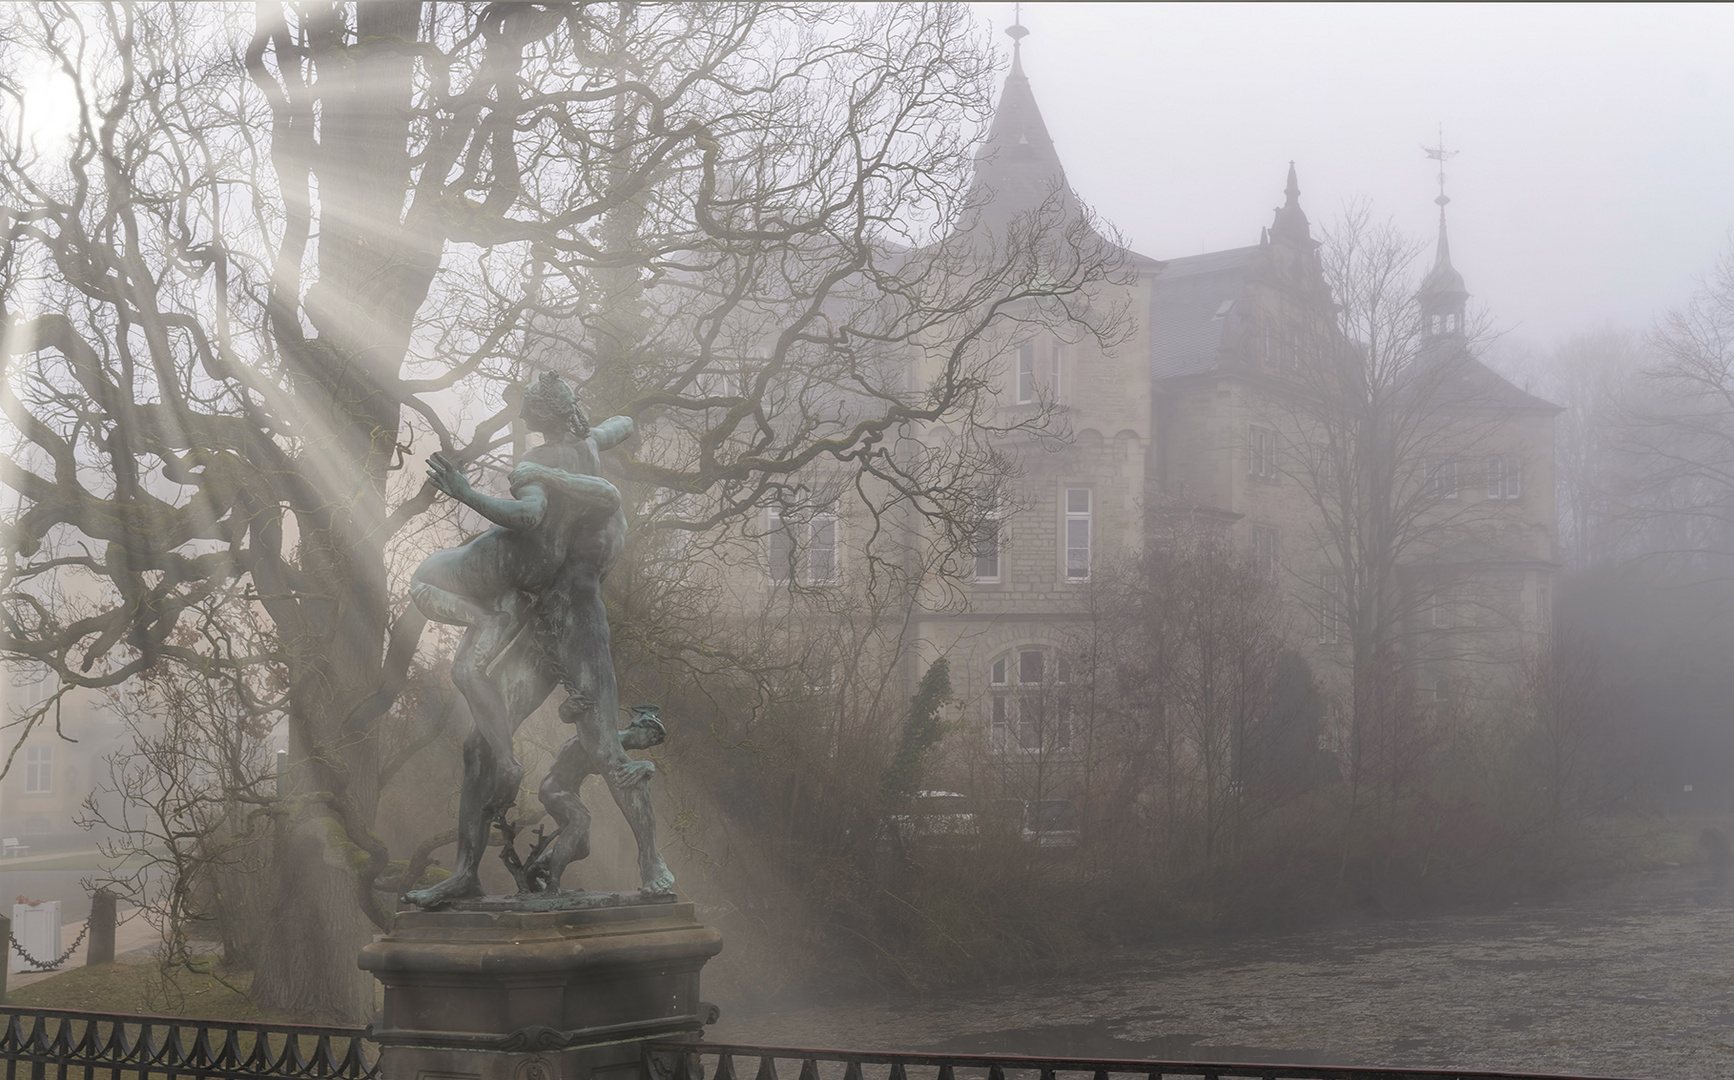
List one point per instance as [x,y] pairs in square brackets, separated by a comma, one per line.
[725,1066]
[767,1068]
[898,1072]
[324,1064]
[809,1069]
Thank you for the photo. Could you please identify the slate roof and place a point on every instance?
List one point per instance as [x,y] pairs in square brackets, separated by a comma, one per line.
[1191,300]
[1474,383]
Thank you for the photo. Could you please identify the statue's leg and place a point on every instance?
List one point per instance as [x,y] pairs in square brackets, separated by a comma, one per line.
[559,795]
[484,689]
[522,685]
[594,711]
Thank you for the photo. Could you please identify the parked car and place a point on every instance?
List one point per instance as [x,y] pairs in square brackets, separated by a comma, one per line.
[935,817]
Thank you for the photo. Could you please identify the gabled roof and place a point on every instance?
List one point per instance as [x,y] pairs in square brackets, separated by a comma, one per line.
[1191,301]
[1469,382]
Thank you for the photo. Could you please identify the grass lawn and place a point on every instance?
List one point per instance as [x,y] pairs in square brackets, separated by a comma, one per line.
[137,988]
[87,859]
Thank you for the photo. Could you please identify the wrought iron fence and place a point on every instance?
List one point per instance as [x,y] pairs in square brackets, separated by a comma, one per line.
[688,1061]
[63,1044]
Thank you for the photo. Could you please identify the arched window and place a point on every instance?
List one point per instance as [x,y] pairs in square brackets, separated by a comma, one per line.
[1029,701]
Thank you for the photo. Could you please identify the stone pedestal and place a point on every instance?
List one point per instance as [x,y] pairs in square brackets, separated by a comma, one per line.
[537,995]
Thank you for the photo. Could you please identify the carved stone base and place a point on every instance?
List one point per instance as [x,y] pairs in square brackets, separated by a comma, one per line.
[537,995]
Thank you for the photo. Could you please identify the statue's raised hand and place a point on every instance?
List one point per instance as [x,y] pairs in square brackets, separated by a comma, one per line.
[446,477]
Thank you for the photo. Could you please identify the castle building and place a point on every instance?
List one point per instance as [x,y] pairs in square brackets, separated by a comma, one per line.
[1207,409]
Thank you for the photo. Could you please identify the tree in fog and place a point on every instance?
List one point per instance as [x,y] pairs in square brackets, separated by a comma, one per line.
[1193,649]
[1592,375]
[1680,439]
[1388,415]
[282,253]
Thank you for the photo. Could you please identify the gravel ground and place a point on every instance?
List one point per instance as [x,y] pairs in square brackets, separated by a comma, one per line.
[1635,978]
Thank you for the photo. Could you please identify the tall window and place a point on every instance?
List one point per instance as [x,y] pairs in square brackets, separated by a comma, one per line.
[1057,371]
[1505,478]
[822,547]
[38,770]
[1439,611]
[987,546]
[1544,609]
[1441,694]
[780,544]
[1077,533]
[1262,459]
[814,562]
[1332,622]
[1265,554]
[1026,386]
[1441,477]
[1029,702]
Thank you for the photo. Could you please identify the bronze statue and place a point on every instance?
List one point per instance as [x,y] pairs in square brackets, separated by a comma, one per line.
[529,594]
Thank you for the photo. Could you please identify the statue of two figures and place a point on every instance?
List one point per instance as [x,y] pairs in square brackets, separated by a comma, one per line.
[528,593]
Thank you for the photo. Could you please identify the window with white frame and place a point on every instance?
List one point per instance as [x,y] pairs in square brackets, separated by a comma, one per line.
[987,542]
[1261,459]
[38,770]
[1505,477]
[1026,376]
[1439,615]
[1441,694]
[1332,620]
[1077,533]
[1441,476]
[779,546]
[1057,371]
[1266,554]
[822,552]
[29,689]
[806,552]
[1029,706]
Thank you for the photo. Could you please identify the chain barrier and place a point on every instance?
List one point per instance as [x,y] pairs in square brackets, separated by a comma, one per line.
[64,957]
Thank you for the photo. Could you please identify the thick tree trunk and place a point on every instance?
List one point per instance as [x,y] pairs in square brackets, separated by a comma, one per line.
[374,271]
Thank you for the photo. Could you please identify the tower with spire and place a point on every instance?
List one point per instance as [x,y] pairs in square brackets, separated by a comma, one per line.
[1017,169]
[1442,298]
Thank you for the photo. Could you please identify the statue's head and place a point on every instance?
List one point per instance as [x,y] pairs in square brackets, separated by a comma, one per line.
[550,406]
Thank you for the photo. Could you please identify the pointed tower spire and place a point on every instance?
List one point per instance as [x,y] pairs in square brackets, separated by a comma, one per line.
[1291,221]
[1444,299]
[1016,167]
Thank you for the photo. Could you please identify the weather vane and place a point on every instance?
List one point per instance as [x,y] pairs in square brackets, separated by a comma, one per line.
[1441,155]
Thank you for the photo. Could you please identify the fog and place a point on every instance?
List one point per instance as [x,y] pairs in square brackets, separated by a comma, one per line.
[1592,183]
[1101,556]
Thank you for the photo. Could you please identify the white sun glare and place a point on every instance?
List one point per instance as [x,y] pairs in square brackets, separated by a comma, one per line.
[48,111]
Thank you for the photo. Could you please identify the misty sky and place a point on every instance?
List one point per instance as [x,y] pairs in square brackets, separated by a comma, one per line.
[1595,181]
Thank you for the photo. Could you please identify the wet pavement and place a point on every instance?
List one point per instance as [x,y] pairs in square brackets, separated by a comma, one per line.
[1632,978]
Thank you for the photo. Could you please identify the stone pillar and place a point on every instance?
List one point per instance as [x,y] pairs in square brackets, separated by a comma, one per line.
[506,994]
[99,944]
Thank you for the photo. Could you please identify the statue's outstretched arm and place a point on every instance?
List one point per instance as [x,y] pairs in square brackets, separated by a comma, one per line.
[611,432]
[587,492]
[523,512]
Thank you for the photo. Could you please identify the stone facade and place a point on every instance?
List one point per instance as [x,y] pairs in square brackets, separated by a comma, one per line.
[1197,411]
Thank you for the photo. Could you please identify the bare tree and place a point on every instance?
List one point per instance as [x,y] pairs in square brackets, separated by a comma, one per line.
[1389,417]
[258,275]
[1595,376]
[1680,435]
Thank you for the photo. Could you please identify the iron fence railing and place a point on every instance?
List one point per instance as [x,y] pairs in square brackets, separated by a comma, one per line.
[713,1061]
[64,1044]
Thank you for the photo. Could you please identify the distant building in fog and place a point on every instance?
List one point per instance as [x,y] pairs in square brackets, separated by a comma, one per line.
[58,765]
[1190,414]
